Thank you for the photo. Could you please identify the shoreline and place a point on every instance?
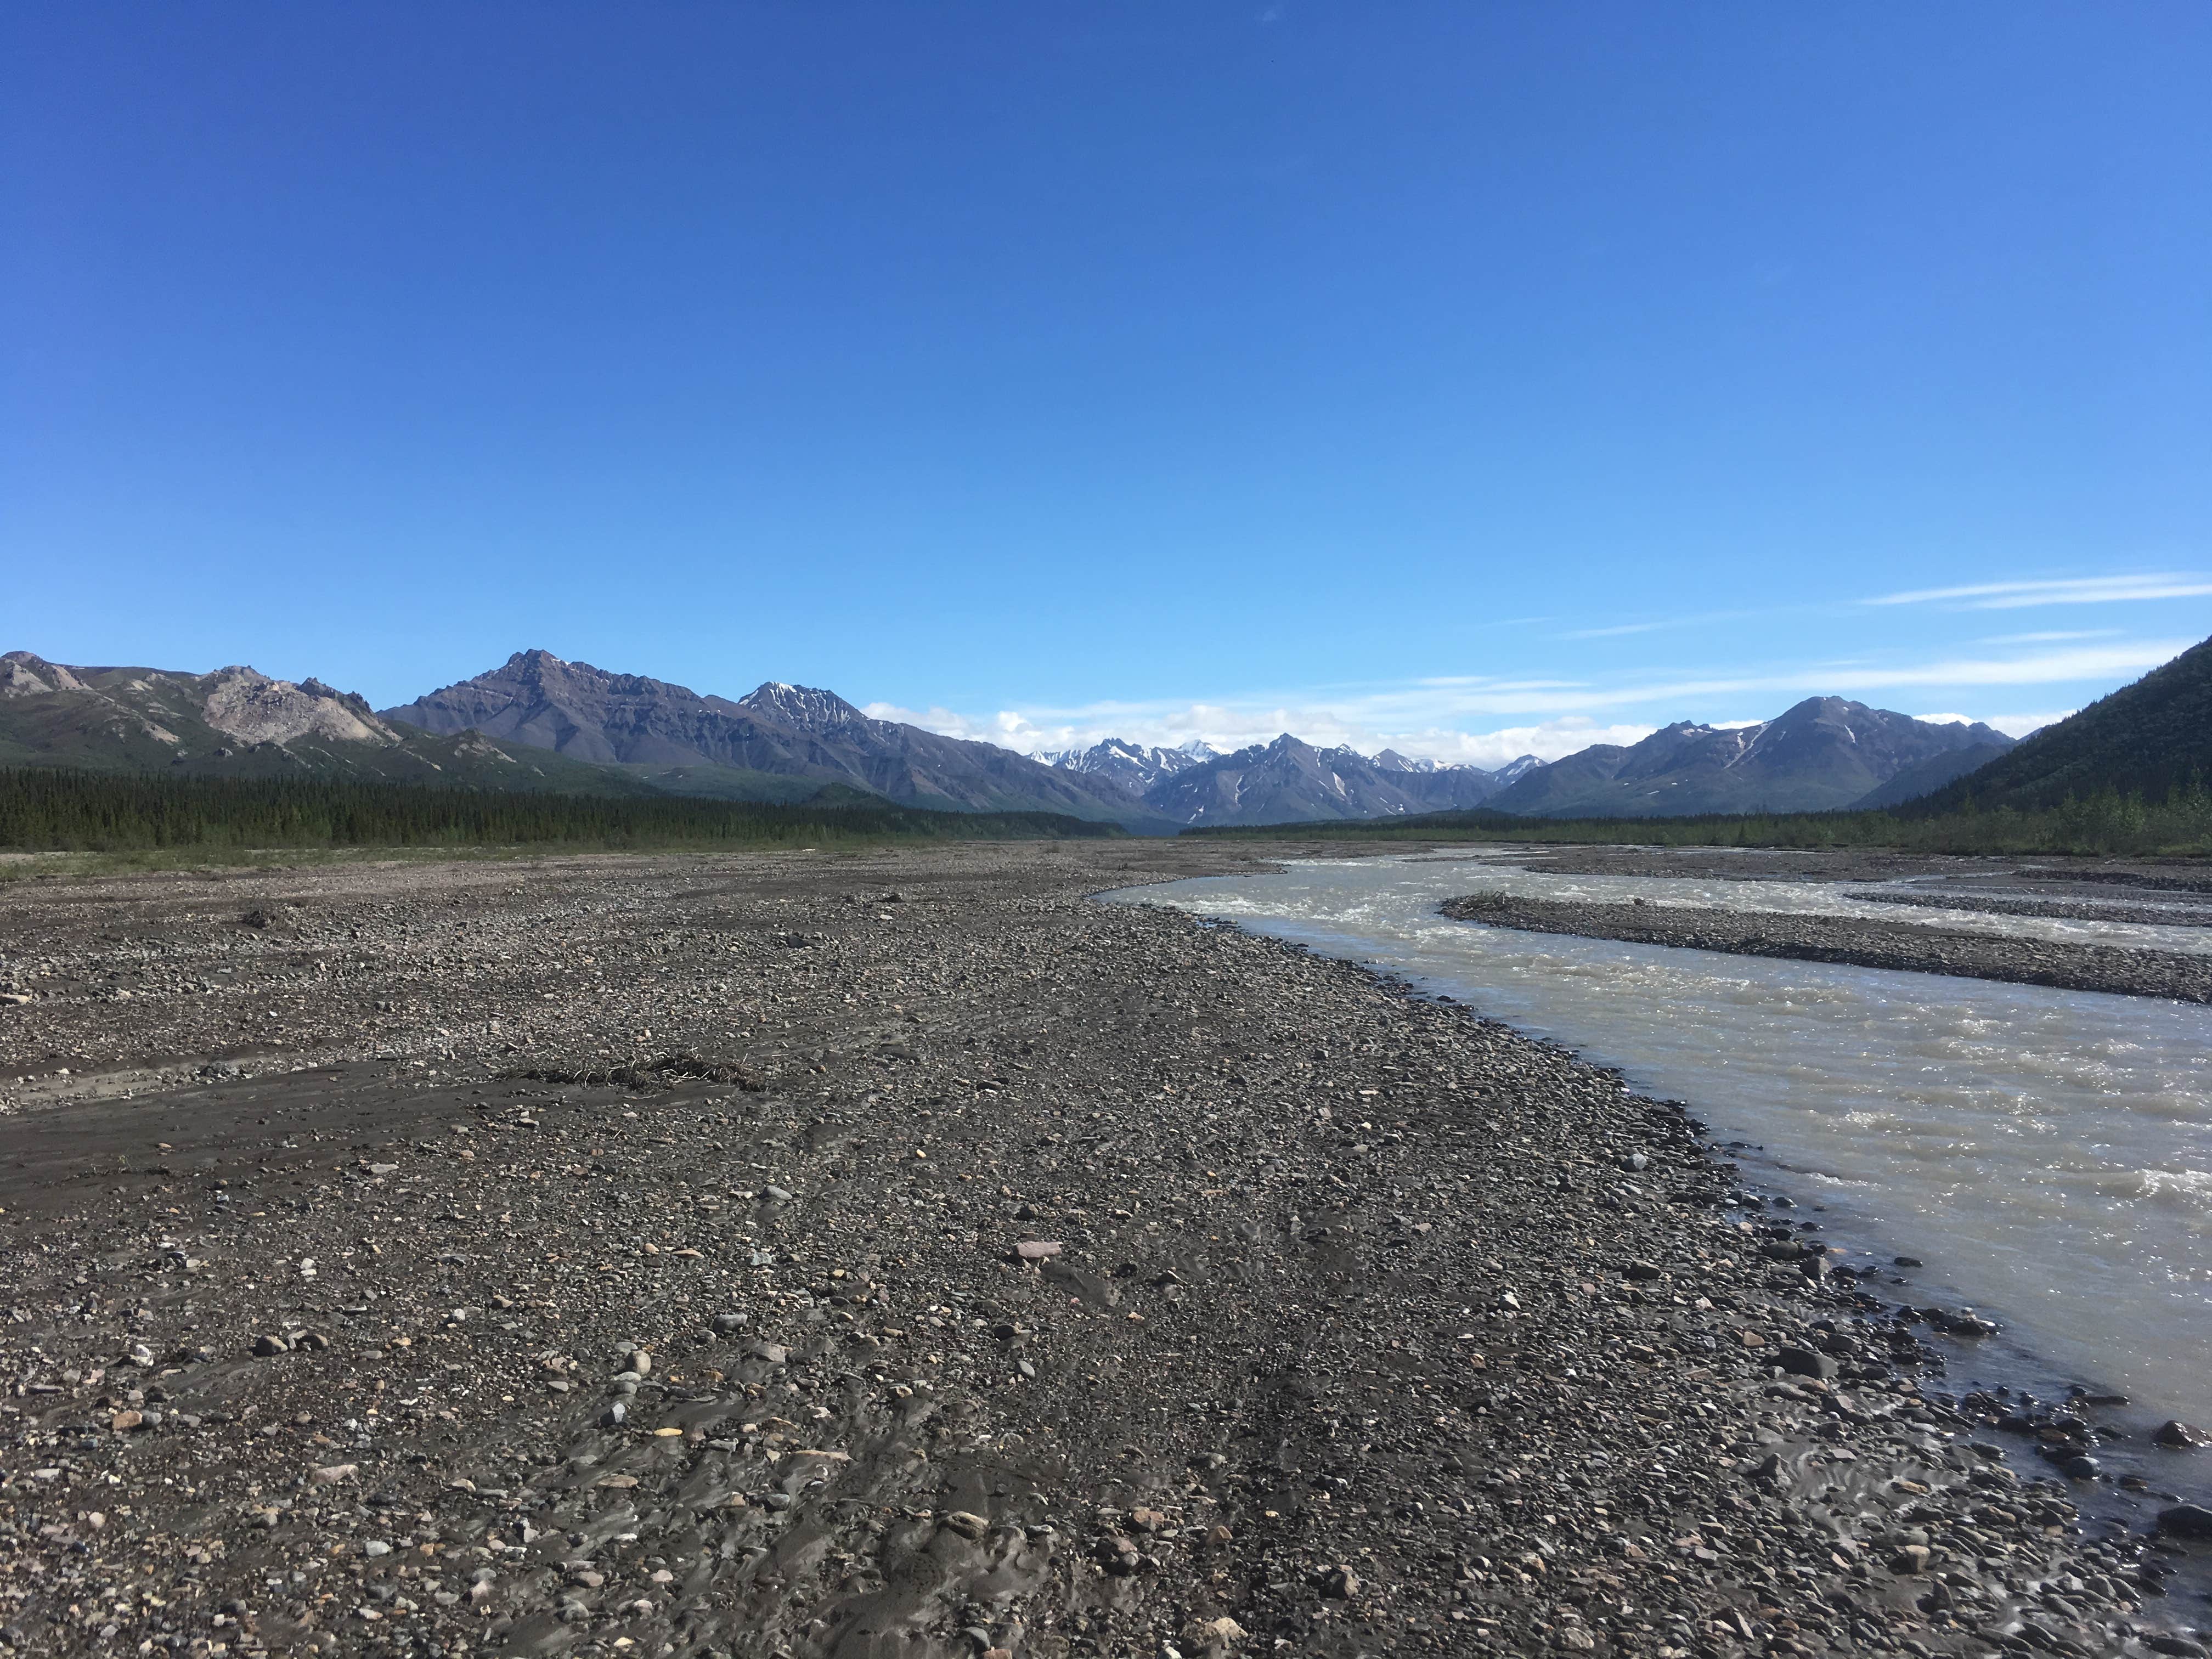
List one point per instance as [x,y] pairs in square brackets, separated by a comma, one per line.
[1901,946]
[1295,1207]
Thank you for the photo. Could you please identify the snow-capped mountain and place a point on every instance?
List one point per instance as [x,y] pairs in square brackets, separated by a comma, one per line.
[1285,782]
[1514,770]
[1288,781]
[806,708]
[1135,769]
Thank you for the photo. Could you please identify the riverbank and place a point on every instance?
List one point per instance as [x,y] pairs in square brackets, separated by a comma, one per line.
[1370,1326]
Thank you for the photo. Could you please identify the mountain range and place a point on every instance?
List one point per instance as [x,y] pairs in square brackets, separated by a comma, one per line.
[237,722]
[1136,769]
[1289,781]
[778,742]
[540,722]
[1824,753]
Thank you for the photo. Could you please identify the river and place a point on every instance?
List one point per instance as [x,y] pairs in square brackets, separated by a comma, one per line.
[2046,1154]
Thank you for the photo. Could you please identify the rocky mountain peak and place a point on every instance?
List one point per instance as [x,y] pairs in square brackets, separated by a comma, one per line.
[1132,766]
[242,702]
[23,675]
[807,708]
[779,731]
[1391,761]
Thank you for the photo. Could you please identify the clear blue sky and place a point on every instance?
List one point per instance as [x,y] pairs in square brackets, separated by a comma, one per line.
[1064,367]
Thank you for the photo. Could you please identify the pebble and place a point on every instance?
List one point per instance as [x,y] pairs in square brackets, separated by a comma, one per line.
[1321,1199]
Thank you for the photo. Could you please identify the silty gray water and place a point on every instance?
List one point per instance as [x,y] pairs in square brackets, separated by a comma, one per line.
[2048,1153]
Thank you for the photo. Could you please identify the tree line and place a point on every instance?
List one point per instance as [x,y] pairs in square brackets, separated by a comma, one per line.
[45,808]
[2108,822]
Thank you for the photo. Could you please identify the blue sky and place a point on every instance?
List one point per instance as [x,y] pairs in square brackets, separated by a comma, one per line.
[1474,377]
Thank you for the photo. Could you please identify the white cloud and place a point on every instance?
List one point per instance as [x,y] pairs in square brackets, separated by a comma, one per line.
[2013,725]
[1615,632]
[1842,680]
[2019,725]
[2086,589]
[2051,637]
[1546,741]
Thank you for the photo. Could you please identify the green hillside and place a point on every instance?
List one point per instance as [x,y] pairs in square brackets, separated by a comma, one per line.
[2150,739]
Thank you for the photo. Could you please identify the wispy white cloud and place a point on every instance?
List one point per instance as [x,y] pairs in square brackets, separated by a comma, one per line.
[1490,684]
[2013,725]
[1442,702]
[2085,590]
[2051,636]
[1653,625]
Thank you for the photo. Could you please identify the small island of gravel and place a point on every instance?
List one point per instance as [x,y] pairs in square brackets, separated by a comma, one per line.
[1910,946]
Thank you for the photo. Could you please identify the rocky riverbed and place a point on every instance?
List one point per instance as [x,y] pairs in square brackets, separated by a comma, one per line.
[1910,946]
[902,1254]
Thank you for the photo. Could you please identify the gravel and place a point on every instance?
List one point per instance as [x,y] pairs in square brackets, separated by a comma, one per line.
[1910,946]
[2135,913]
[1373,1327]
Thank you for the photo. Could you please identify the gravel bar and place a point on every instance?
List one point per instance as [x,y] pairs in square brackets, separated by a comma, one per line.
[2136,914]
[900,1254]
[1909,946]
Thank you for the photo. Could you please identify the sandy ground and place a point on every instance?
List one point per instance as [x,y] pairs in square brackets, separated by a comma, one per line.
[899,1254]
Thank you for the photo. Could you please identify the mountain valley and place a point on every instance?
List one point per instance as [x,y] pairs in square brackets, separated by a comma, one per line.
[540,722]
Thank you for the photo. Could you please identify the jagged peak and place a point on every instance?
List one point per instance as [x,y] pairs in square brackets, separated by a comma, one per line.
[808,707]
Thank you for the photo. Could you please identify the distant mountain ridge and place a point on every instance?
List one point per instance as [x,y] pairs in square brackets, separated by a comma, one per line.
[239,722]
[538,721]
[1929,775]
[1290,781]
[777,733]
[1823,754]
[1134,769]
